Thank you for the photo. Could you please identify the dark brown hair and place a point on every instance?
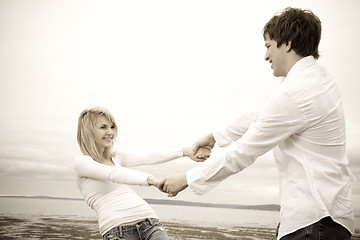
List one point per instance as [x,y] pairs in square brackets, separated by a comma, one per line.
[301,27]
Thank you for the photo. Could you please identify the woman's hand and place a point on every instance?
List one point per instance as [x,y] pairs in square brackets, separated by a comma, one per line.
[201,155]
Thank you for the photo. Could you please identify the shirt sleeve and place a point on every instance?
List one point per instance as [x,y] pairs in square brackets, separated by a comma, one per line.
[279,119]
[135,158]
[85,166]
[225,136]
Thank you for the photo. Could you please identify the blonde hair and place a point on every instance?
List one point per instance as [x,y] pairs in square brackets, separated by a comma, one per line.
[85,132]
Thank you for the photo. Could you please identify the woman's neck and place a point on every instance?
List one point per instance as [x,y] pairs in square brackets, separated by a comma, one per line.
[105,153]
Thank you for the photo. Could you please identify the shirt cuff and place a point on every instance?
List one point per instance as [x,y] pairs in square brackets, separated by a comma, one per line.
[199,178]
[192,175]
[220,140]
[146,179]
[181,152]
[193,179]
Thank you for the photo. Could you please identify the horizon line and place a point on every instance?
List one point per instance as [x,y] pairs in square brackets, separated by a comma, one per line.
[265,207]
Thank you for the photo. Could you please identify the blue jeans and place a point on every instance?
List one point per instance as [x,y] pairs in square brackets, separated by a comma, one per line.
[150,228]
[325,229]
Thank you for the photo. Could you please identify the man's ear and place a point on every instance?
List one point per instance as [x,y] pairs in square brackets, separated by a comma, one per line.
[288,46]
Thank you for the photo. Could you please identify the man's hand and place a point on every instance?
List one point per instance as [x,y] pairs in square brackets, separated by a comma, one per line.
[207,141]
[201,155]
[174,184]
[153,181]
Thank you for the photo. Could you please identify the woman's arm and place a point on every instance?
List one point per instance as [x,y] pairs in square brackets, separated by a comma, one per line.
[136,158]
[130,159]
[85,166]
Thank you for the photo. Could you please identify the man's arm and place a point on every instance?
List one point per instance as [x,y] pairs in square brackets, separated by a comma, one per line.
[224,137]
[279,119]
[235,130]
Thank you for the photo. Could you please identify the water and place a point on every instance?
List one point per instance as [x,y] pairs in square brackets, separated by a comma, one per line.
[28,206]
[217,217]
[202,216]
[197,216]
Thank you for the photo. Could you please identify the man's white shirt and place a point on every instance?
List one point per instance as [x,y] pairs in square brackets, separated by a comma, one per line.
[303,122]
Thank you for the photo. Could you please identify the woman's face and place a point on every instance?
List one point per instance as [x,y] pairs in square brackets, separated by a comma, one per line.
[104,132]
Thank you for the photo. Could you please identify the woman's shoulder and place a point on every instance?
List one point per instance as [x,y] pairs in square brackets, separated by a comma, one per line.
[117,156]
[122,156]
[81,159]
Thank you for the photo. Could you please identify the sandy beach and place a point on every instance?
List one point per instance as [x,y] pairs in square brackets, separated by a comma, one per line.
[55,227]
[45,227]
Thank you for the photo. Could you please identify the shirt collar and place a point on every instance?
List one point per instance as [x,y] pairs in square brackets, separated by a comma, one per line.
[300,65]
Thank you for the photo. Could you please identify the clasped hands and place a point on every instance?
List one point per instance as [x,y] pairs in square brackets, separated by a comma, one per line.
[173,184]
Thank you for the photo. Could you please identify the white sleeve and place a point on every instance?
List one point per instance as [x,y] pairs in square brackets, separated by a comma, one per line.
[136,158]
[85,166]
[225,136]
[279,119]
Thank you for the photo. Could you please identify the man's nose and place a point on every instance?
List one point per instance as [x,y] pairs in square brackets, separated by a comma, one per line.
[266,56]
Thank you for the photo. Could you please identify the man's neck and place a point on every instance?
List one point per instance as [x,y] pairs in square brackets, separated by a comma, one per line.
[292,60]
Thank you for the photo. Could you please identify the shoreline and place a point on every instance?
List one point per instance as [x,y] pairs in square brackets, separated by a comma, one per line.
[262,207]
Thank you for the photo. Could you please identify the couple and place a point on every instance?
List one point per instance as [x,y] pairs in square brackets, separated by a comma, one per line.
[302,121]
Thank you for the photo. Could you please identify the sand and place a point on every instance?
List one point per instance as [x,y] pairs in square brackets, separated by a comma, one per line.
[55,227]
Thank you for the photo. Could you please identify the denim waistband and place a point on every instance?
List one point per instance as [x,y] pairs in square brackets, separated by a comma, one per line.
[135,227]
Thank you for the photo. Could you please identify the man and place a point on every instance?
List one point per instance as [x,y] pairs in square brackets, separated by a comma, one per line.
[303,122]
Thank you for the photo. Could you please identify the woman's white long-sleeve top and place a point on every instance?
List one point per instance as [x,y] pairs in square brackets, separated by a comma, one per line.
[106,188]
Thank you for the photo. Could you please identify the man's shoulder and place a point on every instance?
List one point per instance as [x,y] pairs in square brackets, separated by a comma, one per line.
[306,82]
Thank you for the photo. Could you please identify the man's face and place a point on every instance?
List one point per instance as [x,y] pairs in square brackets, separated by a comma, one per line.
[276,56]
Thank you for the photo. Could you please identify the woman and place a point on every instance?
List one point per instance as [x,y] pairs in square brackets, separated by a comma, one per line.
[103,178]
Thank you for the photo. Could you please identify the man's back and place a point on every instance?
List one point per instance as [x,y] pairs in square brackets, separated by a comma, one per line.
[315,180]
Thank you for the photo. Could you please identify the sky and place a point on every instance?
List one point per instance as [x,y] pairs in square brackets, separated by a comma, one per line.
[169,71]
